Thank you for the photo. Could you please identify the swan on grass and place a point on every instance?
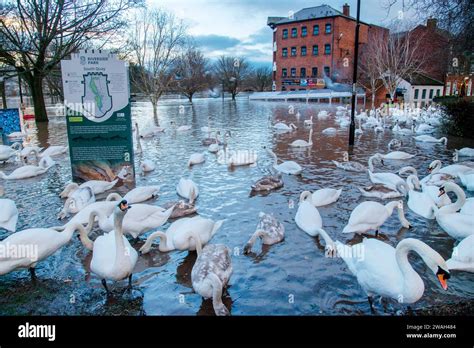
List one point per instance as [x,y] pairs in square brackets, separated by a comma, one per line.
[211,273]
[429,139]
[384,270]
[36,245]
[184,234]
[29,171]
[308,219]
[113,258]
[97,186]
[78,200]
[303,143]
[369,216]
[136,195]
[269,230]
[286,167]
[324,196]
[457,225]
[8,214]
[186,188]
[462,258]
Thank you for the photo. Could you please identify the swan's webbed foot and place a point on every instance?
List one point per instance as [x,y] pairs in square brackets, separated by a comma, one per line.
[33,274]
[104,284]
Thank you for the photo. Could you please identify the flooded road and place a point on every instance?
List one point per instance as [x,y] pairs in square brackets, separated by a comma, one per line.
[290,278]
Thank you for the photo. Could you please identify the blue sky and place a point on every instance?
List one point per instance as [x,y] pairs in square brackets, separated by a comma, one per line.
[238,27]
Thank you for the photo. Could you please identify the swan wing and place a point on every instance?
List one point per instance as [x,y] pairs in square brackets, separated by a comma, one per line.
[308,218]
[366,216]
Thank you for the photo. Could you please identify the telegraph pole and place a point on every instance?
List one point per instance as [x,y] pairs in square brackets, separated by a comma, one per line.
[354,78]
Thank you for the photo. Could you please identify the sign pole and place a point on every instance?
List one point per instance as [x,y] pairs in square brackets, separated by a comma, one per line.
[354,78]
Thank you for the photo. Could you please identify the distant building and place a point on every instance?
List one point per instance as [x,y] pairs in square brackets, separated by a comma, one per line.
[313,44]
[419,90]
[459,85]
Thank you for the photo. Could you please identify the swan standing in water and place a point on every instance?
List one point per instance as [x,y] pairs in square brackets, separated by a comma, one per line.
[97,186]
[371,215]
[8,214]
[211,273]
[77,201]
[269,230]
[29,171]
[184,234]
[429,139]
[457,225]
[304,143]
[386,271]
[37,244]
[462,258]
[308,219]
[113,258]
[324,196]
[286,167]
[186,188]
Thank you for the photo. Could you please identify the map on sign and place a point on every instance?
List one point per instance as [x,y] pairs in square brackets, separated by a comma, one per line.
[96,100]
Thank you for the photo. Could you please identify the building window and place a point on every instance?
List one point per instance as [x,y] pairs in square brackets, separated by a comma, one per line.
[303,50]
[285,33]
[316,29]
[416,94]
[448,88]
[438,91]
[328,28]
[294,32]
[315,50]
[327,71]
[423,94]
[284,52]
[284,72]
[293,72]
[431,94]
[283,88]
[314,72]
[304,31]
[293,51]
[303,72]
[327,49]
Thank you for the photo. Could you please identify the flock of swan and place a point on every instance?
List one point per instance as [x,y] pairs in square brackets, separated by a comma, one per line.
[383,270]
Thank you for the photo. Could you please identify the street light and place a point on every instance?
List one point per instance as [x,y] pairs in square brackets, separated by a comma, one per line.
[354,78]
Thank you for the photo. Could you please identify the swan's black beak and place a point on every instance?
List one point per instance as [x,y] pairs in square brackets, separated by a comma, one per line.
[124,206]
[381,161]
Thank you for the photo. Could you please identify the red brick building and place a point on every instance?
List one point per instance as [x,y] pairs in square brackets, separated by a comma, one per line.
[313,43]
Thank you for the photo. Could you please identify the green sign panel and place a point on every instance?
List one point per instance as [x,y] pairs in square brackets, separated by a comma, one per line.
[99,127]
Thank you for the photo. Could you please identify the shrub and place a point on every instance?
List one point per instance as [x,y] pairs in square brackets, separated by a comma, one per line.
[459,119]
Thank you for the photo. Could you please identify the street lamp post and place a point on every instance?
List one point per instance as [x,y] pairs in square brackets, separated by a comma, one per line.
[354,78]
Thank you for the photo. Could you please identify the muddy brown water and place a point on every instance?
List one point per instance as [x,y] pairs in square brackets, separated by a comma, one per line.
[290,278]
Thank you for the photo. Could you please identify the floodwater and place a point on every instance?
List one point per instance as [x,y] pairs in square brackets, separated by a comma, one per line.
[290,278]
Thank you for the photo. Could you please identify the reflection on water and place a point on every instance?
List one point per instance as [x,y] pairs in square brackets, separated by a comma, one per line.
[289,278]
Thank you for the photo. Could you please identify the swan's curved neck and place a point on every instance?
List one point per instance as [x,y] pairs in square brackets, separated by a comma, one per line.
[391,206]
[114,196]
[83,234]
[163,241]
[327,239]
[310,141]
[371,164]
[460,199]
[275,158]
[120,250]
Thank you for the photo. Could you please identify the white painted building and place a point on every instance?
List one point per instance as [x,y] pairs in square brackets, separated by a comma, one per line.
[420,90]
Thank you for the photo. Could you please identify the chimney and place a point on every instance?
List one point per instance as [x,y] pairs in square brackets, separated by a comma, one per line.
[346,10]
[431,23]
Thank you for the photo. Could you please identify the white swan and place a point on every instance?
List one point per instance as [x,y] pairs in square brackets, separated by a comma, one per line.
[241,158]
[97,186]
[308,219]
[196,158]
[455,224]
[211,273]
[188,233]
[383,270]
[397,155]
[383,192]
[51,151]
[269,230]
[37,244]
[465,152]
[350,166]
[137,195]
[148,132]
[141,219]
[6,152]
[419,202]
[28,171]
[77,201]
[303,143]
[429,139]
[186,188]
[467,179]
[8,214]
[308,122]
[183,128]
[467,207]
[324,196]
[323,114]
[215,147]
[329,131]
[147,166]
[462,258]
[29,150]
[105,207]
[286,167]
[424,128]
[283,127]
[453,169]
[385,178]
[371,215]
[113,258]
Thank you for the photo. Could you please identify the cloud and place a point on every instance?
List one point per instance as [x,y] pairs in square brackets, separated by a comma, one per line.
[214,42]
[262,36]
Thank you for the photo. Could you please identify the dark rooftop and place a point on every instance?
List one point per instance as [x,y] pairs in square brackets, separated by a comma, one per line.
[423,80]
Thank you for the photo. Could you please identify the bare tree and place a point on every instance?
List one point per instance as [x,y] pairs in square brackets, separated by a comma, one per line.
[231,72]
[156,41]
[192,69]
[36,34]
[397,57]
[260,78]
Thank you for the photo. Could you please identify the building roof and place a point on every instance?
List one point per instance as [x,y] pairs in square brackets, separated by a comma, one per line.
[308,13]
[423,80]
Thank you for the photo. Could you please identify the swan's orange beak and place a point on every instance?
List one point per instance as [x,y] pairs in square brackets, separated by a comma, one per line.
[443,281]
